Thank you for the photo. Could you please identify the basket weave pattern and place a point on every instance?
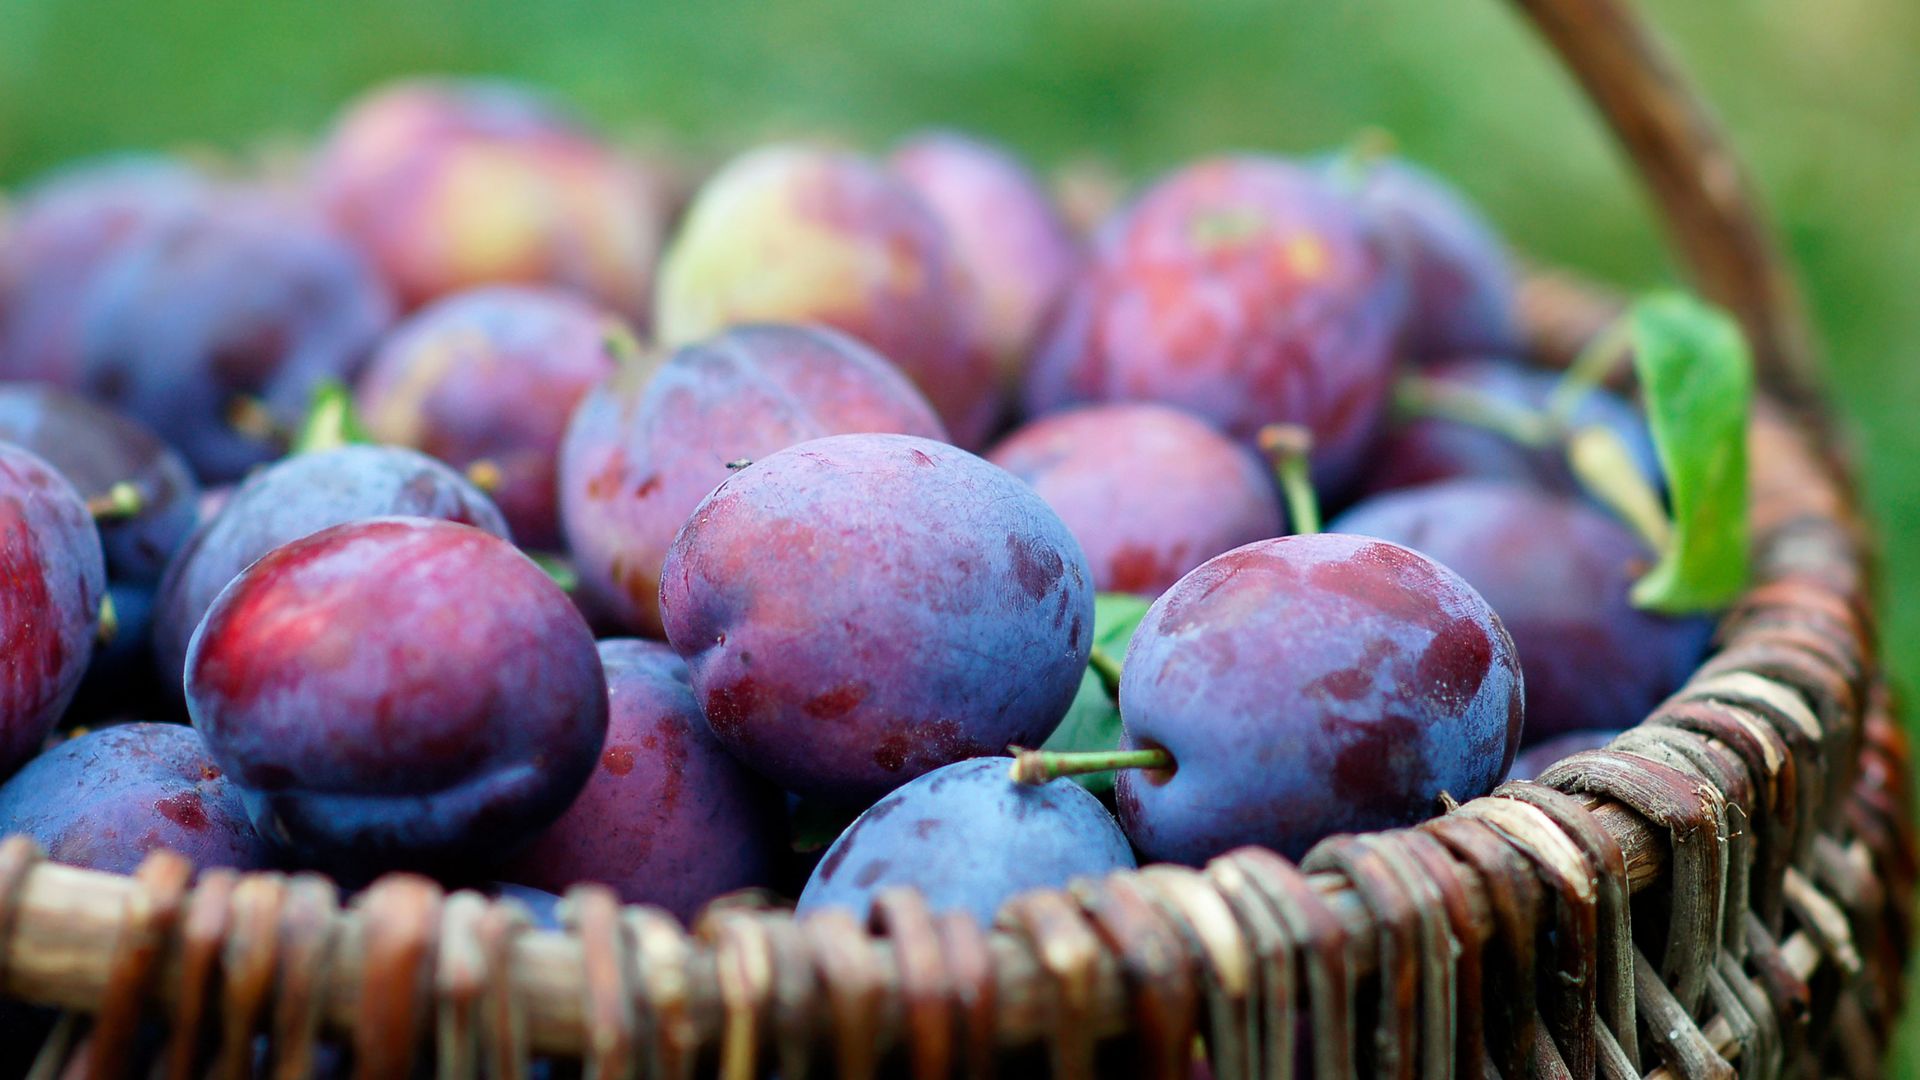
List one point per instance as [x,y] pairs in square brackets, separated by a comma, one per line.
[1726,887]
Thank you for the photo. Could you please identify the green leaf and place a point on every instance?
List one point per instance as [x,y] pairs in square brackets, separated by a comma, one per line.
[330,422]
[1093,720]
[1697,377]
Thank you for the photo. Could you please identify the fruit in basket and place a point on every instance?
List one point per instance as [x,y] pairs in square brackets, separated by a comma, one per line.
[668,818]
[1465,415]
[1006,231]
[294,498]
[216,326]
[105,799]
[1149,491]
[65,230]
[144,497]
[968,838]
[802,235]
[1303,686]
[449,184]
[646,446]
[52,579]
[859,609]
[1248,290]
[1463,282]
[1542,755]
[491,376]
[1559,571]
[398,692]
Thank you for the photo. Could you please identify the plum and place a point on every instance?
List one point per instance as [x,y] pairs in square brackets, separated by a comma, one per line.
[1461,278]
[250,301]
[493,375]
[795,234]
[1309,685]
[449,184]
[1149,491]
[66,228]
[398,692]
[97,449]
[1429,449]
[302,495]
[668,818]
[968,838]
[52,579]
[1248,290]
[105,799]
[1006,232]
[1541,756]
[122,679]
[646,447]
[1558,570]
[859,609]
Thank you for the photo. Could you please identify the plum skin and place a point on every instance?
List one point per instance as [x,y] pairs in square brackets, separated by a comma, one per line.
[1308,685]
[105,799]
[859,609]
[52,578]
[646,446]
[668,818]
[1559,571]
[1150,492]
[1247,290]
[968,838]
[398,692]
[795,234]
[1005,230]
[291,499]
[493,374]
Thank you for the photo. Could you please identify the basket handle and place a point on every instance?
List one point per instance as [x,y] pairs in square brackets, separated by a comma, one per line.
[1705,201]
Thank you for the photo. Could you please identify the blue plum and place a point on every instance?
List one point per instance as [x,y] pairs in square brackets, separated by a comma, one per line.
[289,500]
[968,837]
[1150,491]
[52,579]
[250,299]
[1309,685]
[96,448]
[646,446]
[493,375]
[1558,570]
[105,799]
[122,680]
[1248,290]
[1463,282]
[398,692]
[859,609]
[668,818]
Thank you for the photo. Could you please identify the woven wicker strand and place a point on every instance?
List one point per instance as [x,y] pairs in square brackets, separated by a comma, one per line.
[1726,887]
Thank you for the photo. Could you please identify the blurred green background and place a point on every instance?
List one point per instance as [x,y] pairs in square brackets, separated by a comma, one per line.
[1823,100]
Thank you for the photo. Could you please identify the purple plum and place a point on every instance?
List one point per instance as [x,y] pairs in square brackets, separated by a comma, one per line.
[647,446]
[860,609]
[398,692]
[1149,491]
[668,818]
[1309,685]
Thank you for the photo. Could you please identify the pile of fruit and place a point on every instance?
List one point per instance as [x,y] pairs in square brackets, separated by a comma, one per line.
[486,500]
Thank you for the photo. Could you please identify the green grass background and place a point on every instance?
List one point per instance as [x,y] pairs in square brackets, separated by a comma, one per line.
[1823,99]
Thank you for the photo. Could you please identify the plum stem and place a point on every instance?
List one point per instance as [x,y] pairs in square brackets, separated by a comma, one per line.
[485,474]
[1605,467]
[1443,399]
[250,416]
[108,627]
[1107,668]
[621,344]
[1041,766]
[1590,370]
[557,569]
[1288,447]
[330,422]
[117,503]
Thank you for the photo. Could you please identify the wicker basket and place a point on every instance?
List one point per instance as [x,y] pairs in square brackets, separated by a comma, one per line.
[1726,887]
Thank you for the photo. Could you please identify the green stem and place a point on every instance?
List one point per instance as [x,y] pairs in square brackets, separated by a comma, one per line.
[1443,399]
[330,421]
[558,569]
[1041,766]
[1105,666]
[109,624]
[1590,370]
[1288,447]
[1605,467]
[117,503]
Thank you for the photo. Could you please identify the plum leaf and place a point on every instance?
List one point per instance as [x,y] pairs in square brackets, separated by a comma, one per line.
[1093,720]
[1696,374]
